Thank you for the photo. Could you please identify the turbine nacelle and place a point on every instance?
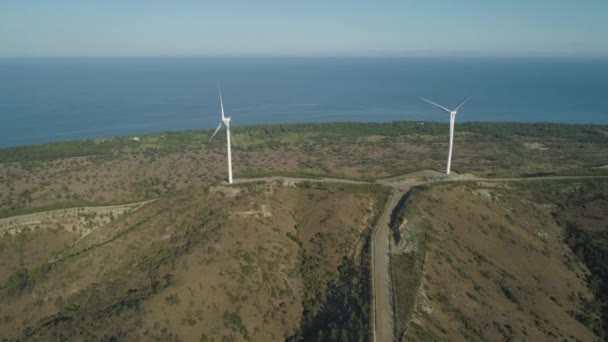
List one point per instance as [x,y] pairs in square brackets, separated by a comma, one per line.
[451,111]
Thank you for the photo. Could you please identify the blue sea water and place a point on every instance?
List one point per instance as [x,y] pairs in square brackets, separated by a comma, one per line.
[44,100]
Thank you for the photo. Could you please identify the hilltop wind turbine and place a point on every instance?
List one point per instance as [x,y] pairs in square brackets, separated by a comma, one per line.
[452,120]
[226,122]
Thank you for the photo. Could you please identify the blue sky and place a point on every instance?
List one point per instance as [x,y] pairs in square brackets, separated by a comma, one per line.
[303,28]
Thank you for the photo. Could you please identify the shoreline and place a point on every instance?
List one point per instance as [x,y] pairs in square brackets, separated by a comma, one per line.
[299,125]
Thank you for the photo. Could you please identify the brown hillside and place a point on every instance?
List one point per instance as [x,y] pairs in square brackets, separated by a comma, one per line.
[219,263]
[494,267]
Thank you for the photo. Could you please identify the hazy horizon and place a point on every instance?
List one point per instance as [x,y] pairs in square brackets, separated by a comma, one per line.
[66,28]
[325,56]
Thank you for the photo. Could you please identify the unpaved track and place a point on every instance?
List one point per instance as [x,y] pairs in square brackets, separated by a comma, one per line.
[383,321]
[523,179]
[68,217]
[297,180]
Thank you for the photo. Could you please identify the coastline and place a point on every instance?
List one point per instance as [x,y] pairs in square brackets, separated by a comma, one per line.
[375,127]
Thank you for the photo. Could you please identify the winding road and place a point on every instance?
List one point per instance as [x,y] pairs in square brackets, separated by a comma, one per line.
[383,325]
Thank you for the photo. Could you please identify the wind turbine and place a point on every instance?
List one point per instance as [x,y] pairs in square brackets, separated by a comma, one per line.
[226,122]
[452,120]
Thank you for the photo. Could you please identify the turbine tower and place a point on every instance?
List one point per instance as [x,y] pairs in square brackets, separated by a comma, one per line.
[226,122]
[452,121]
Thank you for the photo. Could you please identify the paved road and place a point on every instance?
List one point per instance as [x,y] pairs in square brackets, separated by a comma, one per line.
[383,296]
[381,283]
[383,313]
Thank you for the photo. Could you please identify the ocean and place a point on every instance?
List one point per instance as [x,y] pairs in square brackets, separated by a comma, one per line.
[50,99]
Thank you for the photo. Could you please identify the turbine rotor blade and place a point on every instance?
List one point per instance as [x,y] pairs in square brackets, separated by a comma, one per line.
[462,103]
[221,102]
[216,130]
[436,105]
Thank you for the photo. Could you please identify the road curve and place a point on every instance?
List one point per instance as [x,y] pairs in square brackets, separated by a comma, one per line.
[383,322]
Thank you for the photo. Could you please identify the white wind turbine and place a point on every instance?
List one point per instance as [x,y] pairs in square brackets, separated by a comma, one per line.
[226,122]
[452,120]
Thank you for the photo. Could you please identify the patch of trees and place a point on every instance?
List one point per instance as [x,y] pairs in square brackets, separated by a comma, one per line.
[503,130]
[592,248]
[587,236]
[57,150]
[325,133]
[336,308]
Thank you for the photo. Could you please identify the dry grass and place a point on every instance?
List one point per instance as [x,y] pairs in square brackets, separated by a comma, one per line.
[185,265]
[33,239]
[496,267]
